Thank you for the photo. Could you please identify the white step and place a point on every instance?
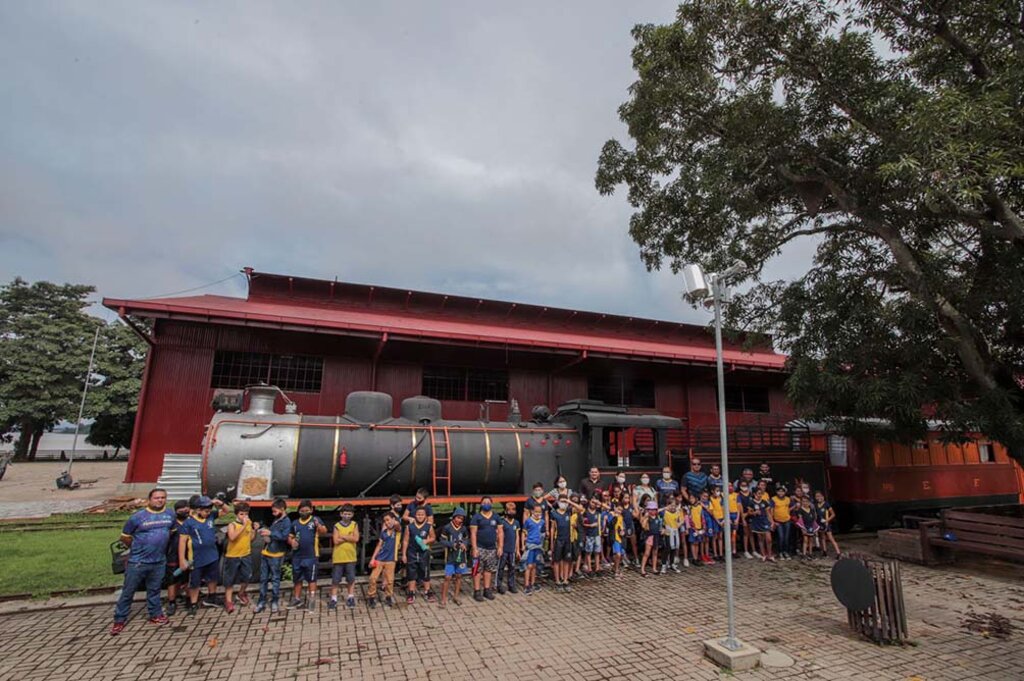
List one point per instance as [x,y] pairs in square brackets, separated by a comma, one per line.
[181,475]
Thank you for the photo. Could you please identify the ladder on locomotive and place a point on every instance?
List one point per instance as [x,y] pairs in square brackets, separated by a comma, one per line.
[441,461]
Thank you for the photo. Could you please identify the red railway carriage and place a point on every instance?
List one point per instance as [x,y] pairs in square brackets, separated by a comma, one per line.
[873,482]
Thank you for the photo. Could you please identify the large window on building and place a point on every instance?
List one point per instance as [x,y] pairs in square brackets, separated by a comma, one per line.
[297,373]
[629,392]
[747,398]
[463,384]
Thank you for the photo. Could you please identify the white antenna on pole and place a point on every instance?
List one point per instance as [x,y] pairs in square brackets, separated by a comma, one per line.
[65,477]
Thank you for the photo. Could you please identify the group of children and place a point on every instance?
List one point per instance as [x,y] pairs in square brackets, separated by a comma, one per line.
[654,529]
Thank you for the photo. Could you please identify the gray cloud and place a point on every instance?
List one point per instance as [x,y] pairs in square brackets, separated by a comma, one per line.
[151,147]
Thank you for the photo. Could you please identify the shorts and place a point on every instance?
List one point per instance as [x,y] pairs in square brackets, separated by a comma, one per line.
[488,560]
[628,531]
[304,570]
[762,528]
[617,549]
[592,545]
[714,528]
[697,536]
[207,573]
[825,528]
[810,531]
[733,518]
[534,556]
[418,568]
[649,541]
[672,538]
[450,570]
[343,570]
[237,570]
[561,550]
[170,579]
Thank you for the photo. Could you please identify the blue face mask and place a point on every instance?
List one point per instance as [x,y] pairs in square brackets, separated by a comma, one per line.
[485,507]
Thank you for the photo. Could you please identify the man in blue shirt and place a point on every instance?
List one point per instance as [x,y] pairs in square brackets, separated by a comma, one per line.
[666,487]
[696,480]
[146,532]
[199,533]
[487,544]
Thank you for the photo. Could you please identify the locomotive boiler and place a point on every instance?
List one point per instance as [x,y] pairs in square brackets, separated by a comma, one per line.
[367,453]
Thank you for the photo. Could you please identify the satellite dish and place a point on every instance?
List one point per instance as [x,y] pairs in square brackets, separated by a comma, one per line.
[853,585]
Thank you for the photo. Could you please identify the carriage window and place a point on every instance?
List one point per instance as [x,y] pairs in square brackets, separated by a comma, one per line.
[985,452]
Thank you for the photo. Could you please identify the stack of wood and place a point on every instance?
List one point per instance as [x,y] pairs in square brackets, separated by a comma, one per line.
[117,505]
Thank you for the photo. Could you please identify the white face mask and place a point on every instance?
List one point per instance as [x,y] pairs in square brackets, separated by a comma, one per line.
[644,480]
[621,479]
[562,505]
[561,484]
[666,476]
[538,493]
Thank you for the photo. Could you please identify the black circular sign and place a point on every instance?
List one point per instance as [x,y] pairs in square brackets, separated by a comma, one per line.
[852,584]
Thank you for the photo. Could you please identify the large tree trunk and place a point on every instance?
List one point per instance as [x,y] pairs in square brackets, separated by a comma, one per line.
[21,447]
[37,435]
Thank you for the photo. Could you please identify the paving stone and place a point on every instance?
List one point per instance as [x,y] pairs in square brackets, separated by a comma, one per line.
[606,629]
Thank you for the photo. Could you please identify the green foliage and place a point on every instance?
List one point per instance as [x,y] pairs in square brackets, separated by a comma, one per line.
[45,341]
[893,134]
[46,338]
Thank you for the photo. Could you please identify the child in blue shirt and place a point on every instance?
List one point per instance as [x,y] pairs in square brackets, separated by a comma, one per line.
[305,542]
[532,546]
[511,550]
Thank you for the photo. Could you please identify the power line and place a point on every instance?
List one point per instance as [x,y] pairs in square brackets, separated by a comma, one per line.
[196,288]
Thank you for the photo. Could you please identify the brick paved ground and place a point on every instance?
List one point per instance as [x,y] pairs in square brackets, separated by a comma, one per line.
[607,629]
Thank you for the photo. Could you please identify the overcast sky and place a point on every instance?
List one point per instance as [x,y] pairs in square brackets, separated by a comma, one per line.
[150,147]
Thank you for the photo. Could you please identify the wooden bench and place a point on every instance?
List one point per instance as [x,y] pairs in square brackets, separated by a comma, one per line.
[993,531]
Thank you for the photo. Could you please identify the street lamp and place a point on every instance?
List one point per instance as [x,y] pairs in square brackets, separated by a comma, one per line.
[736,655]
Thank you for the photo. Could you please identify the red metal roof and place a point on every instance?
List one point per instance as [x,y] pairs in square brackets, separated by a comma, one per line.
[400,324]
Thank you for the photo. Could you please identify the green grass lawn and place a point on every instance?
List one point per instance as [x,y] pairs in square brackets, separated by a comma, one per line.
[40,562]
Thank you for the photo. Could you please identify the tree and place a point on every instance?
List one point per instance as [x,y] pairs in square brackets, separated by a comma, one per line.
[45,341]
[892,132]
[114,402]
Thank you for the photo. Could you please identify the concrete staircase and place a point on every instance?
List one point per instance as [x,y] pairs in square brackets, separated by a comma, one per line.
[180,475]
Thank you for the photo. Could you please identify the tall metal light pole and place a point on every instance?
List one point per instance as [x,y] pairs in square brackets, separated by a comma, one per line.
[717,286]
[81,406]
[700,286]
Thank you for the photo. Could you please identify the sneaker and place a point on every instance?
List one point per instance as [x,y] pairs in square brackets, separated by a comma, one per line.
[171,608]
[675,567]
[274,608]
[117,628]
[295,603]
[192,610]
[478,596]
[209,603]
[686,562]
[663,569]
[243,599]
[350,601]
[489,594]
[566,588]
[161,619]
[757,555]
[746,554]
[513,589]
[372,603]
[389,601]
[229,607]
[410,599]
[431,598]
[332,604]
[501,589]
[260,607]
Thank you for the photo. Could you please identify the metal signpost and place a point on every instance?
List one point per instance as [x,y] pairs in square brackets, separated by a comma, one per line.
[81,406]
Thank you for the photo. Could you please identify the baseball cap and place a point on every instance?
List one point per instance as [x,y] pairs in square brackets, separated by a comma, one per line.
[203,502]
[459,511]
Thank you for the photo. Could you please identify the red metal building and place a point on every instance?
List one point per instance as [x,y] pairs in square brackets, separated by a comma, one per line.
[320,340]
